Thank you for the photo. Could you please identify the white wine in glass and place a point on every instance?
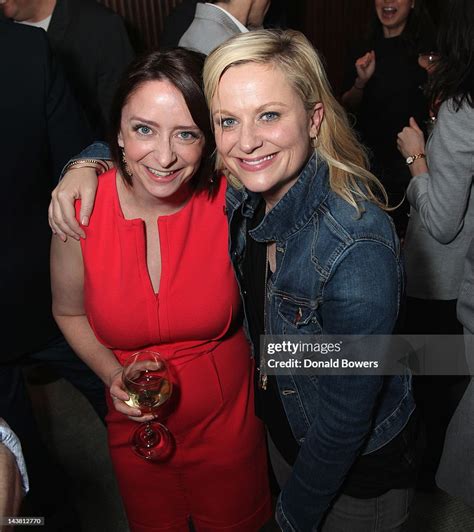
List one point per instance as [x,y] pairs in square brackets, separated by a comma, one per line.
[147,380]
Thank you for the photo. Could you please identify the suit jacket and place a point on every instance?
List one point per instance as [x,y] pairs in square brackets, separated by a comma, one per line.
[176,23]
[93,46]
[210,28]
[41,127]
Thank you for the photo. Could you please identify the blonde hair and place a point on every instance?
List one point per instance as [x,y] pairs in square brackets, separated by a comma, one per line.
[294,55]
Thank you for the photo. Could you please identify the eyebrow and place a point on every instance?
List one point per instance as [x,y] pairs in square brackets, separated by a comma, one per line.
[257,110]
[155,124]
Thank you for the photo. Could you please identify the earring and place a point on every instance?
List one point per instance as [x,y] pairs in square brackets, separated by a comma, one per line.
[314,141]
[125,164]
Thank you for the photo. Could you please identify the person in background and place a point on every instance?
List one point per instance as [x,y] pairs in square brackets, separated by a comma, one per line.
[438,245]
[91,43]
[159,224]
[41,127]
[176,23]
[13,475]
[179,20]
[215,22]
[383,87]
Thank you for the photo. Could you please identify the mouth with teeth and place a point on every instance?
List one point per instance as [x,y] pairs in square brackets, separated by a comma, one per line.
[258,163]
[162,176]
[389,12]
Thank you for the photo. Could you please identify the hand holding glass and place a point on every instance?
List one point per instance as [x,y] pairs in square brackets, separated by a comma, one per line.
[146,379]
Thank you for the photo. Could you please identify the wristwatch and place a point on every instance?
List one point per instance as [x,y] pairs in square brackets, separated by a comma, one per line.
[412,158]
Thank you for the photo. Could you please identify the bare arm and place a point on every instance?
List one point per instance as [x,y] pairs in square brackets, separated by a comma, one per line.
[79,182]
[365,67]
[67,281]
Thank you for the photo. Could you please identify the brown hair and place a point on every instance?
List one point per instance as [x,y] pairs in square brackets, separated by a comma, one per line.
[182,68]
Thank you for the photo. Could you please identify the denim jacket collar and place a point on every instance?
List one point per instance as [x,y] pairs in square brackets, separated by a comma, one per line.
[297,206]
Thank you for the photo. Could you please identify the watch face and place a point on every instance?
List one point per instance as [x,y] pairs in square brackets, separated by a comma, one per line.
[410,159]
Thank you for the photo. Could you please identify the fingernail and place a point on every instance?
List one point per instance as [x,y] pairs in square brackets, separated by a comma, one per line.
[85,219]
[62,237]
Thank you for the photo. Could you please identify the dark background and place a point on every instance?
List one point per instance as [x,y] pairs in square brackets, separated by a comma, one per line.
[331,25]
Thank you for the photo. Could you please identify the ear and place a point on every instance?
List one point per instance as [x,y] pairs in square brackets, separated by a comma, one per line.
[120,139]
[315,119]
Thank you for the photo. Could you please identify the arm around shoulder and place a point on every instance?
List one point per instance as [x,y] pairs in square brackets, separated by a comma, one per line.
[79,182]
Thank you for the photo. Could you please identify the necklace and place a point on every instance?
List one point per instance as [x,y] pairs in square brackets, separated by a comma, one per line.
[263,379]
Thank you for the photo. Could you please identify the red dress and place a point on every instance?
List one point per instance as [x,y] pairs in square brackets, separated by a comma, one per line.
[218,473]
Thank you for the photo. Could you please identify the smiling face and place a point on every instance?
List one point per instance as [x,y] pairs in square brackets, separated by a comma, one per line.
[263,131]
[393,15]
[162,144]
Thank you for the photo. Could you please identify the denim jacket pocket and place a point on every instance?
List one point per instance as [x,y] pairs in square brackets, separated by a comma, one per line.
[297,317]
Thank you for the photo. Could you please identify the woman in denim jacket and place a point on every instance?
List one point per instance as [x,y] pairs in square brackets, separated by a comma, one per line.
[314,253]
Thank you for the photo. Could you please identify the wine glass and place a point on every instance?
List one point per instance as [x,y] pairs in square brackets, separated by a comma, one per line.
[146,378]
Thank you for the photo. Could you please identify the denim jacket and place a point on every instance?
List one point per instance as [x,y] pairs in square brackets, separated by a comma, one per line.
[336,273]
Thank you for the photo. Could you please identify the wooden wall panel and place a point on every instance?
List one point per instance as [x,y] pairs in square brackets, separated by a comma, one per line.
[331,25]
[144,18]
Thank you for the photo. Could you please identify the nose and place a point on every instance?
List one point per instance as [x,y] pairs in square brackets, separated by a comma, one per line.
[164,152]
[250,138]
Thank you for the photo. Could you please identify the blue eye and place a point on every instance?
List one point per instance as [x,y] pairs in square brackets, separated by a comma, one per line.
[270,116]
[227,122]
[187,135]
[143,130]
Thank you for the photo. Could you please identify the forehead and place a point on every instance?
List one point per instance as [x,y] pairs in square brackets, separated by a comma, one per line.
[158,97]
[254,84]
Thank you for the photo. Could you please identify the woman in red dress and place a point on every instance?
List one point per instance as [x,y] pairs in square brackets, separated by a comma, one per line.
[154,273]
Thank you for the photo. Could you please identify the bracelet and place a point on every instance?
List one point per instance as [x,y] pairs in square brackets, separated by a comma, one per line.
[79,167]
[99,165]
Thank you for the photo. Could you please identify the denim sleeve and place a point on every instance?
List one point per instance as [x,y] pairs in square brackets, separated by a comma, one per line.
[97,150]
[361,297]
